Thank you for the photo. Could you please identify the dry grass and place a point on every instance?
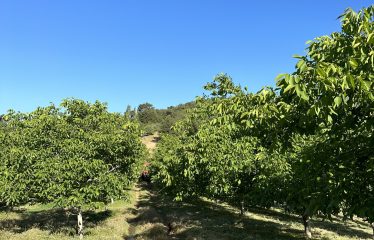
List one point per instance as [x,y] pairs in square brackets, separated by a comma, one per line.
[150,141]
[204,219]
[43,222]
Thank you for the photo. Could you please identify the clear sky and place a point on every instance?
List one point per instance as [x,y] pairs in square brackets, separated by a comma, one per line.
[134,51]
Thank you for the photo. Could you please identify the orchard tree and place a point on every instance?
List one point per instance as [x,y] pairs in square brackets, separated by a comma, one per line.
[244,150]
[333,86]
[77,157]
[222,155]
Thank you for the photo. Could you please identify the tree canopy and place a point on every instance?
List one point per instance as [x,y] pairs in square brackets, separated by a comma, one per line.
[77,156]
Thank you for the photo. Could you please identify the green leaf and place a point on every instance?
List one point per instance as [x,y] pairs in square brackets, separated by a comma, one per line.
[317,110]
[321,72]
[298,90]
[280,76]
[304,95]
[338,101]
[289,87]
[329,119]
[355,45]
[365,85]
[351,81]
[297,56]
[371,38]
[353,63]
[301,65]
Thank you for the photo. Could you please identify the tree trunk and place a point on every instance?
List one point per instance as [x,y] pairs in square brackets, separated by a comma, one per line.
[80,224]
[372,227]
[242,211]
[306,222]
[111,200]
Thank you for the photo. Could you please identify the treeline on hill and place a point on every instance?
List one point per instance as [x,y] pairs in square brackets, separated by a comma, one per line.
[157,120]
[77,157]
[307,145]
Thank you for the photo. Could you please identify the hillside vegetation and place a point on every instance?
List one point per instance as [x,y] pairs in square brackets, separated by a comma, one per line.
[154,120]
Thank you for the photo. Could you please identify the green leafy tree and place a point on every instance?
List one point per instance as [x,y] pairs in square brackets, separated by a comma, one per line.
[333,87]
[77,157]
[221,157]
[130,113]
[149,118]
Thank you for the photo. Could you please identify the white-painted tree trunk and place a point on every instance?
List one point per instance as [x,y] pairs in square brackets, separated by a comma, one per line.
[242,211]
[80,224]
[307,230]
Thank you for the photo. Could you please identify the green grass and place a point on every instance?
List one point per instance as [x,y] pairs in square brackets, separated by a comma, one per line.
[149,216]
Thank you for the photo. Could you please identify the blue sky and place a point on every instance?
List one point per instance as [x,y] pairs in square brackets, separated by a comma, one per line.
[134,51]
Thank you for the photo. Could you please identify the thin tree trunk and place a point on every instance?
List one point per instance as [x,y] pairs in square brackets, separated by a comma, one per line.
[306,222]
[242,211]
[80,224]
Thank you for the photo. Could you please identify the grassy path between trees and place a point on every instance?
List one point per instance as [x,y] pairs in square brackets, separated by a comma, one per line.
[157,217]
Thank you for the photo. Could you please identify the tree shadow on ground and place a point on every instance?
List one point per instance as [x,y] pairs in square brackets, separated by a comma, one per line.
[53,221]
[159,217]
[342,227]
[338,225]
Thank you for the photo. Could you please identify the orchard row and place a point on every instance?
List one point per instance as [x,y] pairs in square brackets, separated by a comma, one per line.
[77,157]
[307,145]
